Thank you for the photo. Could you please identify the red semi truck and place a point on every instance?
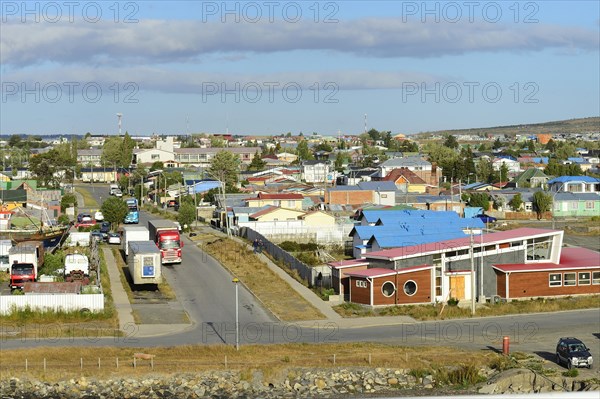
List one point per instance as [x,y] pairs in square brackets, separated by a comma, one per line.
[165,235]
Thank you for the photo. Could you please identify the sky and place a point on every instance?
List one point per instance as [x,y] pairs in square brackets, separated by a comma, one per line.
[272,67]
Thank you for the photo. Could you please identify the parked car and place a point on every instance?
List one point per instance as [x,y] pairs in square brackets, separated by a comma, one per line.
[114,238]
[98,216]
[105,229]
[118,193]
[486,218]
[573,353]
[97,235]
[84,218]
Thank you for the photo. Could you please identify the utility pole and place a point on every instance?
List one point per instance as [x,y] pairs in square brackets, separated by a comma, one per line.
[472,275]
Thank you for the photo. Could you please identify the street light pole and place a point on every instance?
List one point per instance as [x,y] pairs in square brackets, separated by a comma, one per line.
[472,275]
[237,315]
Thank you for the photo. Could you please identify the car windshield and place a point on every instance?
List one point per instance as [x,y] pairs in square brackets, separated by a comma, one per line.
[576,348]
[171,244]
[21,270]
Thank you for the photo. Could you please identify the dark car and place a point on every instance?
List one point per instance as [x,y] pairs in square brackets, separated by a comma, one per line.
[486,218]
[97,235]
[105,229]
[573,353]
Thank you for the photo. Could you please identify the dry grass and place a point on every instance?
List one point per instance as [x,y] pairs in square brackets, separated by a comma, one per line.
[275,294]
[432,312]
[274,360]
[89,200]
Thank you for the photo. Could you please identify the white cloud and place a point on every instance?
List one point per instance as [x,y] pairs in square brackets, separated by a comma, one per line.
[175,41]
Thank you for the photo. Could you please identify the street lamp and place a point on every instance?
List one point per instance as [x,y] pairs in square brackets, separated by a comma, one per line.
[237,315]
[553,207]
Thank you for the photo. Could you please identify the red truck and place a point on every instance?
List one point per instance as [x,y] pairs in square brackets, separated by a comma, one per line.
[21,273]
[165,235]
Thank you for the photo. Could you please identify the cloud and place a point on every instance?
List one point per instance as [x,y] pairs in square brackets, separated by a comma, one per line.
[176,41]
[195,82]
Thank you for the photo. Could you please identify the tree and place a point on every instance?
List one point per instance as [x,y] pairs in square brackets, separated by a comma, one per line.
[67,200]
[516,202]
[225,167]
[323,147]
[187,214]
[451,142]
[542,202]
[127,146]
[158,165]
[503,172]
[257,163]
[481,200]
[114,210]
[43,166]
[304,153]
[497,144]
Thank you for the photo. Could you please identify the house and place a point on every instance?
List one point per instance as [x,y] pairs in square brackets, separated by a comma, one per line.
[102,175]
[318,172]
[569,204]
[317,219]
[439,203]
[287,157]
[407,181]
[422,168]
[340,280]
[575,184]
[290,201]
[512,165]
[202,157]
[454,264]
[372,192]
[91,157]
[384,192]
[531,177]
[151,155]
[274,214]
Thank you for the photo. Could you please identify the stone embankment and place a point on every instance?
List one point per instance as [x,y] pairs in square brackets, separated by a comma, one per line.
[293,383]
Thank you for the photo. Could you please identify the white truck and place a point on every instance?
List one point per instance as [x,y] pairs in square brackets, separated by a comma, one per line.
[133,233]
[144,263]
[79,239]
[77,267]
[5,246]
[113,188]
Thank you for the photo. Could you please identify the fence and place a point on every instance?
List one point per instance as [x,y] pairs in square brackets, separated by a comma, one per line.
[295,230]
[307,273]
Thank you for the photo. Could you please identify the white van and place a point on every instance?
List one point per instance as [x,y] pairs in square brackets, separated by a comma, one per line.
[113,188]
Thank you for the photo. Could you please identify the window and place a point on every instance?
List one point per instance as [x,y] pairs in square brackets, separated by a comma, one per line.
[573,205]
[410,288]
[291,204]
[388,288]
[516,244]
[589,205]
[155,157]
[584,278]
[361,283]
[555,279]
[570,279]
[596,278]
[490,248]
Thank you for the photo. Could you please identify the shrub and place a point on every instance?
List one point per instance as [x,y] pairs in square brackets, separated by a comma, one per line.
[290,246]
[571,373]
[308,258]
[453,302]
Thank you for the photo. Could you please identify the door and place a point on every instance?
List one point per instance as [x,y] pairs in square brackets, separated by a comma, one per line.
[457,287]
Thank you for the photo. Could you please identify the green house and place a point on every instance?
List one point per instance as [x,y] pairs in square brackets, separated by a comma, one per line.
[576,204]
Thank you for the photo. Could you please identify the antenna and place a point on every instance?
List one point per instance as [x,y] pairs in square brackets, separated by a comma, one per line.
[119,115]
[365,123]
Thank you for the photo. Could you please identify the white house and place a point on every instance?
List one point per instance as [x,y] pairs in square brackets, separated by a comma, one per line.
[512,165]
[317,172]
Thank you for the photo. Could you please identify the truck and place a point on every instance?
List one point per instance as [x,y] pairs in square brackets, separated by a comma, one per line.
[165,235]
[77,267]
[133,215]
[133,233]
[144,263]
[25,258]
[5,246]
[113,188]
[79,239]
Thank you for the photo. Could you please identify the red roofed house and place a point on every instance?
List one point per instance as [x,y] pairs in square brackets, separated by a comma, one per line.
[405,179]
[290,201]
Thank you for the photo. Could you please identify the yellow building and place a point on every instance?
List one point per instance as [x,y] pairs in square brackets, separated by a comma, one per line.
[318,219]
[290,201]
[274,214]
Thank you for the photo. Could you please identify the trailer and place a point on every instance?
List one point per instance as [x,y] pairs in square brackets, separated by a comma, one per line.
[144,263]
[133,233]
[77,267]
[79,239]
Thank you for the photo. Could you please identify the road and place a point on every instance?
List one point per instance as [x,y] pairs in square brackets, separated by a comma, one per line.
[206,293]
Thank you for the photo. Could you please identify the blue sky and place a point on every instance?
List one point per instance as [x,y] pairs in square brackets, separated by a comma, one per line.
[269,67]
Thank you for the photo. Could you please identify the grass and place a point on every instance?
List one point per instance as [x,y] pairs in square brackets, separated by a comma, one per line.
[276,361]
[274,293]
[89,200]
[432,312]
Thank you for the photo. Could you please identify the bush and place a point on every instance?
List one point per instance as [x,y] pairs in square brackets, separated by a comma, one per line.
[571,373]
[64,219]
[290,246]
[453,302]
[308,258]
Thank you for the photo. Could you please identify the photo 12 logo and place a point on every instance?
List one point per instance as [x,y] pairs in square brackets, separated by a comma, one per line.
[54,92]
[270,11]
[253,92]
[470,11]
[454,92]
[69,11]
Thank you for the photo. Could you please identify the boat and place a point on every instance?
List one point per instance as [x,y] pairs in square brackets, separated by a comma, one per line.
[46,232]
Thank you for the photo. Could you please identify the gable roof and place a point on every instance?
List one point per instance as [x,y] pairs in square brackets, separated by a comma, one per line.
[382,272]
[405,162]
[576,179]
[277,196]
[528,174]
[408,174]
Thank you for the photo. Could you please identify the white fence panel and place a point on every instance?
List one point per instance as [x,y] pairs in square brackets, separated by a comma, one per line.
[65,302]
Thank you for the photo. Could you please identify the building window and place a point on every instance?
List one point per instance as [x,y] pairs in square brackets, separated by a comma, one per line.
[410,288]
[573,205]
[388,288]
[291,204]
[155,157]
[570,279]
[555,279]
[361,283]
[596,278]
[589,205]
[584,278]
[383,195]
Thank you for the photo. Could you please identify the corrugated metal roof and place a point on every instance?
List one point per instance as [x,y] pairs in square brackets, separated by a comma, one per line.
[571,258]
[382,272]
[572,179]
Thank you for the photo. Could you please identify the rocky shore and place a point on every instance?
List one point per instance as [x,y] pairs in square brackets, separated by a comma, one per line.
[292,383]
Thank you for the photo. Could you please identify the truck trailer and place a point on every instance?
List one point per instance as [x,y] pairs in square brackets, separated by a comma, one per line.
[133,233]
[144,263]
[25,258]
[165,235]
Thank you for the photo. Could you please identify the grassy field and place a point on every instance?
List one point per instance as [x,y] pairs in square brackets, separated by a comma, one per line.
[435,312]
[89,200]
[274,293]
[273,360]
